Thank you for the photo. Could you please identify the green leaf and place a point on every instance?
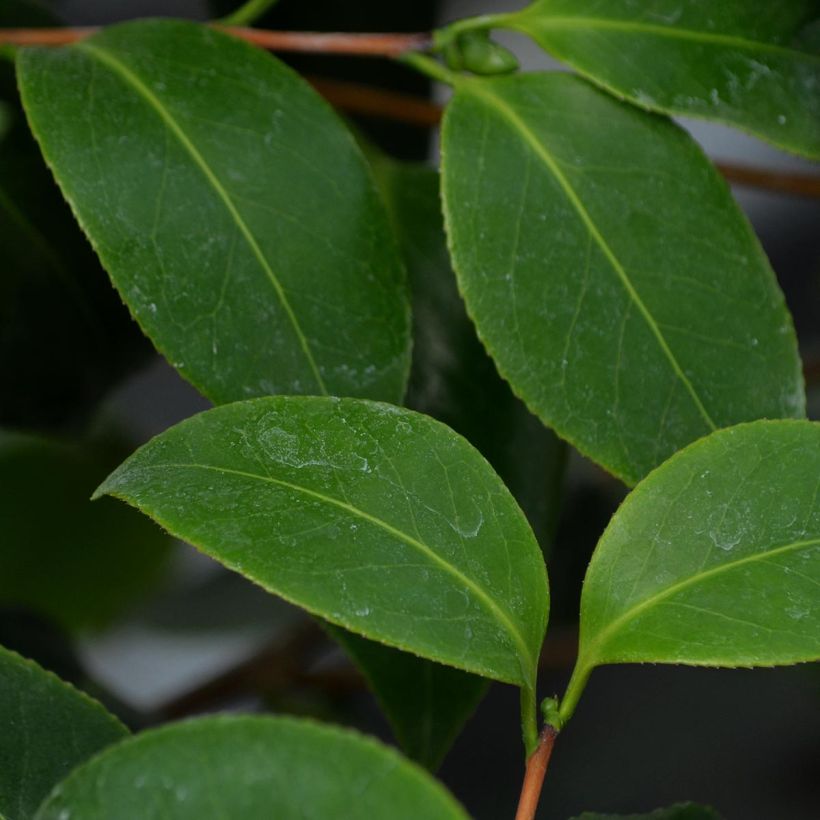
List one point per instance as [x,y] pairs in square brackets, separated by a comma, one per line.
[680,811]
[740,62]
[713,560]
[452,377]
[610,274]
[231,207]
[453,380]
[250,767]
[48,728]
[80,564]
[379,519]
[426,703]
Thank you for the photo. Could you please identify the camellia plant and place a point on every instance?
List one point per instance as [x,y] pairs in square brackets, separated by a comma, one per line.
[271,256]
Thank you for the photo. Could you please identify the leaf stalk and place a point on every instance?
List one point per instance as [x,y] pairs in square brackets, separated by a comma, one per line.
[248,13]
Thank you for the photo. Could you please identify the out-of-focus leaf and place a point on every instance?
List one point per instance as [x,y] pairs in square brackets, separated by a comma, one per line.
[48,728]
[741,62]
[610,274]
[426,703]
[231,207]
[255,768]
[79,563]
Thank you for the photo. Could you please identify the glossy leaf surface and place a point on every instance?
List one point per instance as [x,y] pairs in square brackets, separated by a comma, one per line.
[230,206]
[610,274]
[680,811]
[714,559]
[743,62]
[48,728]
[378,519]
[79,564]
[426,703]
[452,378]
[250,767]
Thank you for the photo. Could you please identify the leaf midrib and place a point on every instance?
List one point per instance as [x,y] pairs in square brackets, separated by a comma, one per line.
[670,32]
[587,653]
[479,89]
[499,614]
[125,73]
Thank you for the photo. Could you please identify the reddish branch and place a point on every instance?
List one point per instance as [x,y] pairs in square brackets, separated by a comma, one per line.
[373,102]
[372,45]
[786,183]
[534,776]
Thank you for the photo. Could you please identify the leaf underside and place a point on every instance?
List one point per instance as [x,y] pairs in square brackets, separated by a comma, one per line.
[746,63]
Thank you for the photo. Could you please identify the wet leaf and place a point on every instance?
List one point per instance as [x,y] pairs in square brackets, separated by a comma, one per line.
[741,62]
[452,377]
[48,728]
[379,519]
[714,559]
[628,319]
[250,767]
[233,211]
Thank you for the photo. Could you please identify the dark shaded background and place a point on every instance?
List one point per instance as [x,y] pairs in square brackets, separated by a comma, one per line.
[746,742]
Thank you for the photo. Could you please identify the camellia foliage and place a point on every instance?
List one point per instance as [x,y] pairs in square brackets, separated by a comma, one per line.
[287,271]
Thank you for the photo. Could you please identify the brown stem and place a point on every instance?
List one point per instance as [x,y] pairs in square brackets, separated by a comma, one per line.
[376,102]
[389,105]
[399,107]
[786,183]
[368,45]
[534,776]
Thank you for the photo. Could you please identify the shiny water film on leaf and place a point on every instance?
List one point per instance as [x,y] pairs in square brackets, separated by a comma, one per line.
[714,559]
[452,378]
[253,768]
[231,207]
[379,519]
[747,63]
[610,274]
[48,728]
